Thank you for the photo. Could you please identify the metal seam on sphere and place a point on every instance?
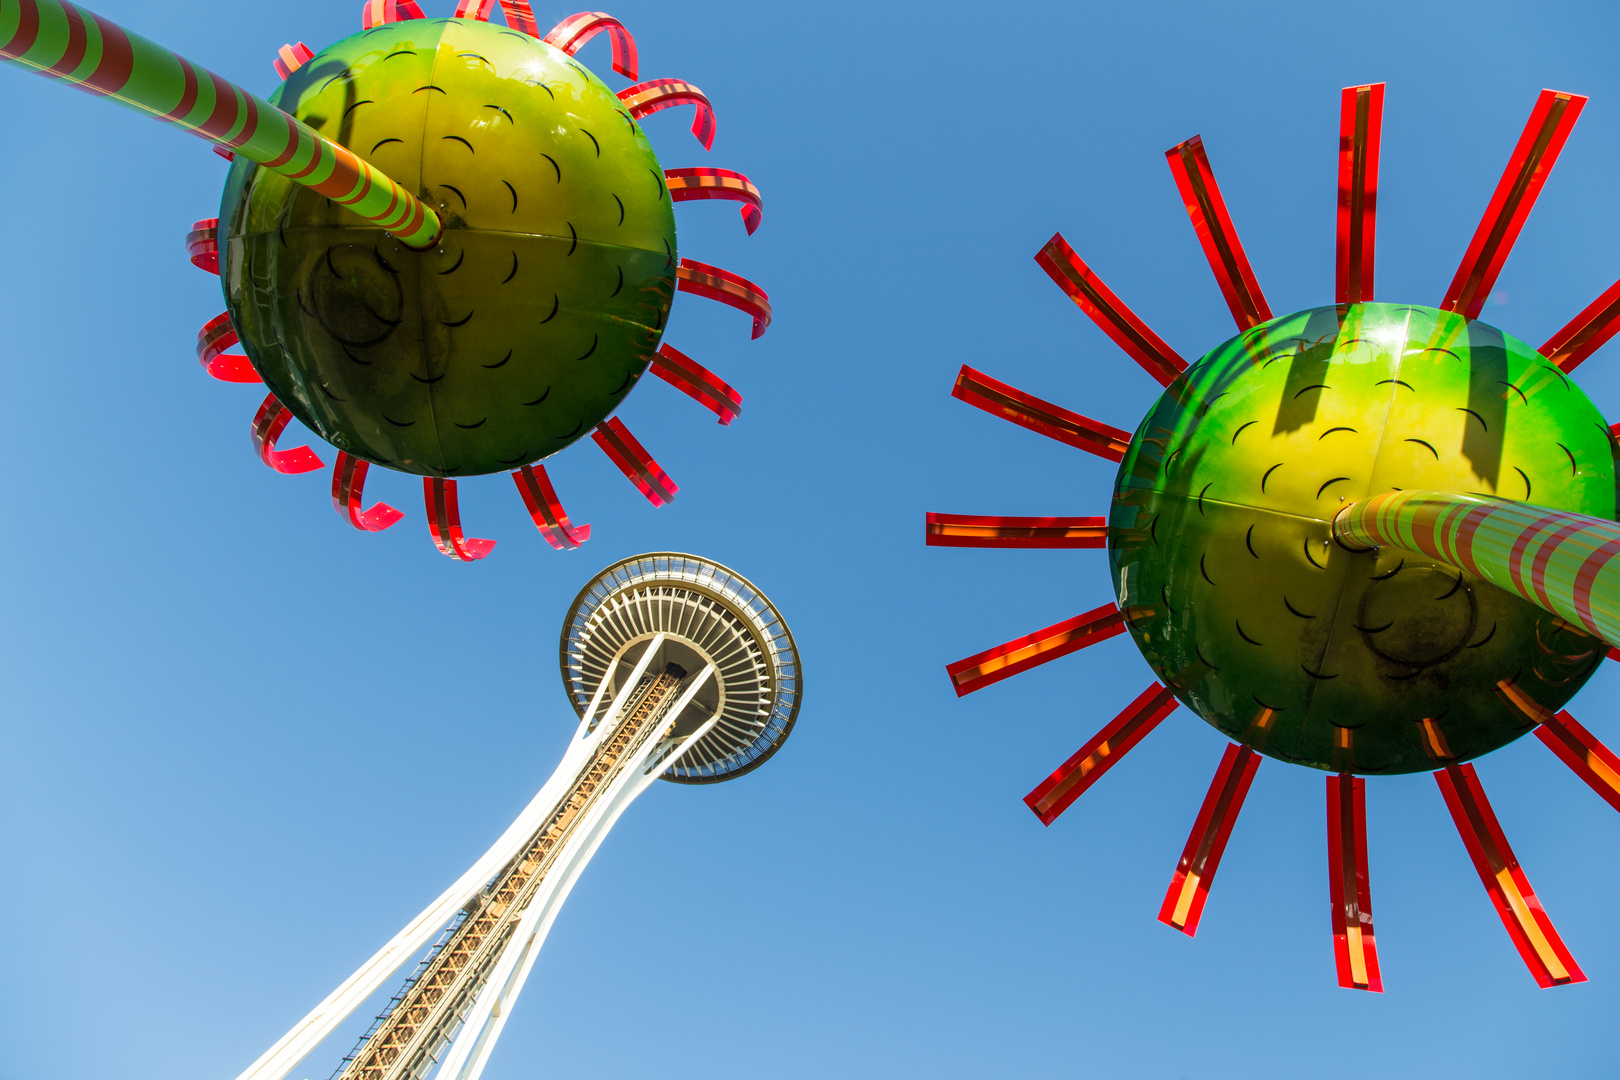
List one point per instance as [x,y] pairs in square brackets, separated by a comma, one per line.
[59,40]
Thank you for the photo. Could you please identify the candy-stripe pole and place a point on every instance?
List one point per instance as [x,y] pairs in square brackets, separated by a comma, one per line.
[1561,561]
[62,41]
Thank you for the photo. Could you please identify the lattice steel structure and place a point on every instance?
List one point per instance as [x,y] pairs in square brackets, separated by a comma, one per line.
[679,668]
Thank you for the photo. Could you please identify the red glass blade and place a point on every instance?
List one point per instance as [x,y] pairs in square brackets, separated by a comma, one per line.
[688,184]
[633,460]
[348,484]
[576,30]
[546,511]
[520,17]
[1586,332]
[1116,320]
[656,95]
[1516,903]
[1189,887]
[697,382]
[1361,122]
[1004,661]
[1527,170]
[1071,780]
[711,282]
[268,424]
[289,58]
[202,245]
[1202,198]
[444,521]
[378,12]
[1355,950]
[474,9]
[213,339]
[1585,754]
[1053,421]
[965,530]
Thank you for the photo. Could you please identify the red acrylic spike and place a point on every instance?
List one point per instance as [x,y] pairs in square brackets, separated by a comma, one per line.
[474,9]
[1586,332]
[655,95]
[1582,752]
[1533,158]
[292,57]
[1057,792]
[520,17]
[1516,903]
[213,339]
[1355,950]
[1026,410]
[202,245]
[965,530]
[268,424]
[222,152]
[624,451]
[348,484]
[1116,320]
[545,509]
[1189,887]
[576,30]
[697,382]
[444,521]
[1032,650]
[1206,208]
[1361,123]
[701,279]
[687,184]
[378,12]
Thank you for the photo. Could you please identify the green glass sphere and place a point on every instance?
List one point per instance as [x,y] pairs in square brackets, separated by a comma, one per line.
[1223,555]
[532,317]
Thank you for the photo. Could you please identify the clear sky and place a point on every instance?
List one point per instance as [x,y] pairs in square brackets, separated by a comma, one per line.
[244,743]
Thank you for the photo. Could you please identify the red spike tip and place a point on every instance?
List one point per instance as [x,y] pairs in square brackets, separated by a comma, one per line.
[576,30]
[1019,655]
[378,12]
[348,483]
[1355,950]
[1116,320]
[697,382]
[1202,198]
[703,183]
[289,58]
[1184,901]
[967,530]
[1361,125]
[213,339]
[546,511]
[444,521]
[1027,410]
[713,283]
[268,424]
[656,95]
[202,245]
[633,460]
[1071,780]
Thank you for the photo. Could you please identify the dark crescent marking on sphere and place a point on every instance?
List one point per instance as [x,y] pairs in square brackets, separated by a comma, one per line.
[576,66]
[1404,678]
[400,52]
[1257,701]
[1164,594]
[1240,430]
[521,37]
[555,301]
[1200,654]
[1573,471]
[573,233]
[281,231]
[520,459]
[474,55]
[513,274]
[595,340]
[431,381]
[1427,447]
[1331,430]
[1453,590]
[430,86]
[382,262]
[541,85]
[659,180]
[1515,389]
[1266,477]
[383,143]
[1526,480]
[1153,530]
[1316,674]
[1484,639]
[461,322]
[398,423]
[554,165]
[1171,456]
[1295,610]
[1352,341]
[539,399]
[1313,386]
[329,265]
[1559,372]
[1475,415]
[669,256]
[344,74]
[1311,557]
[1398,568]
[576,431]
[356,105]
[629,377]
[1248,542]
[594,143]
[1201,496]
[459,260]
[513,190]
[1448,352]
[621,208]
[500,363]
[1244,636]
[1202,571]
[457,190]
[459,139]
[469,427]
[1397,382]
[331,395]
[298,294]
[356,359]
[1374,629]
[380,317]
[620,285]
[502,111]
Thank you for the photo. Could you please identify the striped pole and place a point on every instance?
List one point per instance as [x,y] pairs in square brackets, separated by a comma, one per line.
[62,41]
[1561,561]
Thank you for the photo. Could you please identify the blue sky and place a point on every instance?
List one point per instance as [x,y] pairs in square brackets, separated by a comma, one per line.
[244,743]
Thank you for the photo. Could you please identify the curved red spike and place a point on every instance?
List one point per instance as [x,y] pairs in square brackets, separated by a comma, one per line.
[348,482]
[474,9]
[1355,946]
[576,30]
[1361,125]
[377,12]
[655,95]
[971,530]
[1026,410]
[444,521]
[520,17]
[624,451]
[202,245]
[1112,317]
[701,279]
[697,382]
[268,424]
[213,339]
[289,58]
[1207,210]
[702,183]
[540,499]
[1189,886]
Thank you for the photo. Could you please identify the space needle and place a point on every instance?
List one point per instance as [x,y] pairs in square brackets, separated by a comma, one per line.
[679,668]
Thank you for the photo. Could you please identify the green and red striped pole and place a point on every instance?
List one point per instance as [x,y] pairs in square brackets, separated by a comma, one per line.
[63,41]
[1561,561]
